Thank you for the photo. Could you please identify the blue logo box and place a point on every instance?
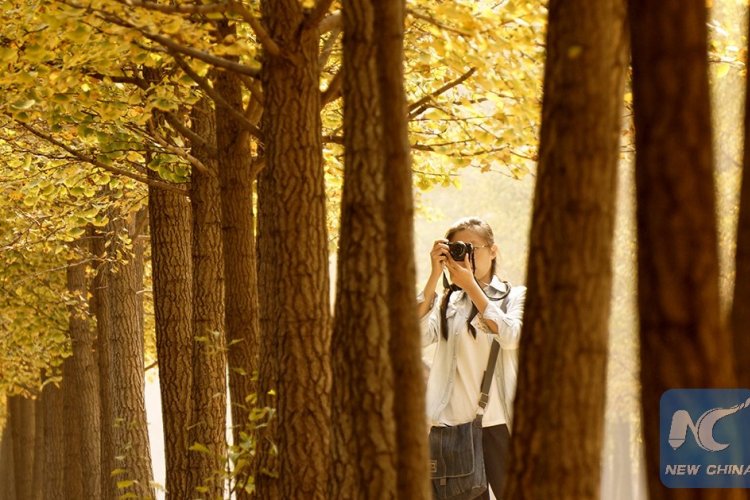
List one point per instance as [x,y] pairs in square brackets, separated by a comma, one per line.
[705,438]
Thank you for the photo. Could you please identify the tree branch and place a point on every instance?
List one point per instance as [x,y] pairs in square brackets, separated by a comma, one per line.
[418,107]
[330,22]
[93,161]
[316,15]
[217,98]
[333,91]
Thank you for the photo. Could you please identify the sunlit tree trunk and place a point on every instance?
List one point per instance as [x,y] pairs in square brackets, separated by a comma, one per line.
[208,424]
[364,434]
[740,317]
[236,178]
[171,229]
[21,417]
[130,437]
[560,398]
[86,413]
[293,260]
[682,341]
[405,344]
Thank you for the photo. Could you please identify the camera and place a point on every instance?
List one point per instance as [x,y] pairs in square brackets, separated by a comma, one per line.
[459,249]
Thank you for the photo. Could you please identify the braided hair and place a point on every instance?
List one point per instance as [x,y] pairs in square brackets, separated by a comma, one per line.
[484,229]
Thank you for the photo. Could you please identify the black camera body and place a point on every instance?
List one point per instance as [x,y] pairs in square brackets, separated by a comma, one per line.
[458,250]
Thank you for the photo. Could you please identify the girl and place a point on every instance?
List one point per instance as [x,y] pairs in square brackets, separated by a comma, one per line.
[475,310]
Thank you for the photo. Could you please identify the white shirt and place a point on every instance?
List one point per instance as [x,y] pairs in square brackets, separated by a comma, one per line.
[459,362]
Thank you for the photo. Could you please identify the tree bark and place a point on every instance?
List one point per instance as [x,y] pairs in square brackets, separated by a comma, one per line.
[21,416]
[72,430]
[7,472]
[683,344]
[170,220]
[54,448]
[364,434]
[101,309]
[39,445]
[740,315]
[130,434]
[209,408]
[86,382]
[563,353]
[293,261]
[236,178]
[405,346]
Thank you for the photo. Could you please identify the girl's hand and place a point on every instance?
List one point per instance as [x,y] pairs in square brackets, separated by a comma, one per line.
[439,255]
[461,273]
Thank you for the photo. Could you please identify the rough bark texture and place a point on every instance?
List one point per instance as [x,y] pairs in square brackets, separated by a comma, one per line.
[740,317]
[86,382]
[54,447]
[241,284]
[405,344]
[21,416]
[130,436]
[364,434]
[101,309]
[208,424]
[293,261]
[683,344]
[560,399]
[171,232]
[71,431]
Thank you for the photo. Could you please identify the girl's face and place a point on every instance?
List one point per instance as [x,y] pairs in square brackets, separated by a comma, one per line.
[483,252]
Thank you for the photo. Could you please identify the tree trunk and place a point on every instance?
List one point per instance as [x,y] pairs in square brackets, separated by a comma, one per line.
[130,435]
[21,417]
[86,383]
[208,422]
[740,316]
[405,347]
[683,344]
[72,430]
[7,472]
[171,236]
[54,447]
[39,445]
[293,261]
[563,353]
[364,434]
[236,178]
[101,309]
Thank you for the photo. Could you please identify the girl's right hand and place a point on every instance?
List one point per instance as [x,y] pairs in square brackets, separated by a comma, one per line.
[439,255]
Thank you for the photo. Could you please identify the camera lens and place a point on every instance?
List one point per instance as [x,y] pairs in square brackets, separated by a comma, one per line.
[459,249]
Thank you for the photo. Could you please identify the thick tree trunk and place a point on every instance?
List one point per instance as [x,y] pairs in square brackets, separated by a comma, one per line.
[209,408]
[171,238]
[563,354]
[364,434]
[405,346]
[86,382]
[130,435]
[740,317]
[54,446]
[683,344]
[101,309]
[236,178]
[293,260]
[72,430]
[21,417]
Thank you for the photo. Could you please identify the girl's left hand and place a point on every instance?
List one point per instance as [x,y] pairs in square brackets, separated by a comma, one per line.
[461,273]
